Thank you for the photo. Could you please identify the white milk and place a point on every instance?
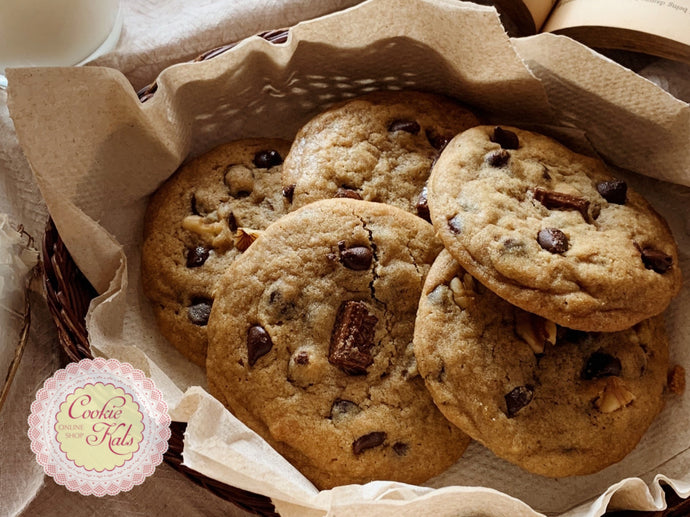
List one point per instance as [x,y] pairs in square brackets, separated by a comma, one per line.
[56,32]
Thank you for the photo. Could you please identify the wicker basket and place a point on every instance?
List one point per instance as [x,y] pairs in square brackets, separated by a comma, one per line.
[69,293]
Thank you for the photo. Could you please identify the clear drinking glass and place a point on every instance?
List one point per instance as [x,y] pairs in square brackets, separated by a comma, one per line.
[56,32]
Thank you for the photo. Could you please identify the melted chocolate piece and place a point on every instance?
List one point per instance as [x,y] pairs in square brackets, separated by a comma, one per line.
[197,256]
[288,192]
[368,441]
[599,365]
[199,311]
[422,205]
[553,240]
[505,138]
[438,142]
[497,158]
[347,193]
[258,343]
[656,260]
[267,159]
[352,338]
[357,258]
[561,201]
[342,408]
[400,448]
[455,225]
[232,222]
[518,398]
[614,191]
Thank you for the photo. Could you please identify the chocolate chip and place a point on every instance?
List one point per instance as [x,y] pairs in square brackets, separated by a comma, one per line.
[288,192]
[497,157]
[562,201]
[438,142]
[267,159]
[505,138]
[302,358]
[409,126]
[258,343]
[400,448]
[197,256]
[347,192]
[368,441]
[614,191]
[242,193]
[232,222]
[422,205]
[599,365]
[553,240]
[352,338]
[199,311]
[357,258]
[656,260]
[342,408]
[195,210]
[518,398]
[455,225]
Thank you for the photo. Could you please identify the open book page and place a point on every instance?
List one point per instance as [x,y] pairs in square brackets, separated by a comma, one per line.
[539,9]
[668,19]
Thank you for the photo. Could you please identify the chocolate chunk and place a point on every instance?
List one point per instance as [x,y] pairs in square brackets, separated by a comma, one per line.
[553,240]
[357,258]
[232,222]
[352,338]
[197,256]
[656,260]
[599,365]
[199,311]
[347,192]
[422,205]
[368,441]
[409,126]
[400,448]
[288,192]
[562,201]
[455,225]
[342,408]
[518,398]
[438,142]
[497,158]
[505,138]
[258,343]
[267,159]
[614,191]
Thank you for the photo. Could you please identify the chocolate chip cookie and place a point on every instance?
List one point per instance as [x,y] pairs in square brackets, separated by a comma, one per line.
[197,223]
[310,344]
[552,231]
[378,147]
[556,402]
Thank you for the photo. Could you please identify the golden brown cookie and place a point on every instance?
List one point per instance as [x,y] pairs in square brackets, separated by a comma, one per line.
[310,344]
[556,402]
[197,223]
[552,231]
[378,147]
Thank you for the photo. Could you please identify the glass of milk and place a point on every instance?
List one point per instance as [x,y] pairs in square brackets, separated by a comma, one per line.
[56,32]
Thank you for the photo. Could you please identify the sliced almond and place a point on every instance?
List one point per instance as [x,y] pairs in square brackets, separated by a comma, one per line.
[244,238]
[614,396]
[536,331]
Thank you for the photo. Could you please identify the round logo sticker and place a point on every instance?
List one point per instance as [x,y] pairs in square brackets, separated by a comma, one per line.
[99,427]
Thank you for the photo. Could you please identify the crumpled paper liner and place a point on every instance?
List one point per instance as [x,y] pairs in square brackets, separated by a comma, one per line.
[97,153]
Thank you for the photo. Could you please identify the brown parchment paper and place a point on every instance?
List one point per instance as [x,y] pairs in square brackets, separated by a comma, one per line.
[97,153]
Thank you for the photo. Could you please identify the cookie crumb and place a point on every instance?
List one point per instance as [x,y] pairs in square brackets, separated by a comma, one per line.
[676,380]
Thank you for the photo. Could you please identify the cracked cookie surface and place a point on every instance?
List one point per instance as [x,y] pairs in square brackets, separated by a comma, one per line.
[555,401]
[378,147]
[310,344]
[197,223]
[552,231]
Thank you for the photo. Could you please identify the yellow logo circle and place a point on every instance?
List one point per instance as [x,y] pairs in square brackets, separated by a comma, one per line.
[99,427]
